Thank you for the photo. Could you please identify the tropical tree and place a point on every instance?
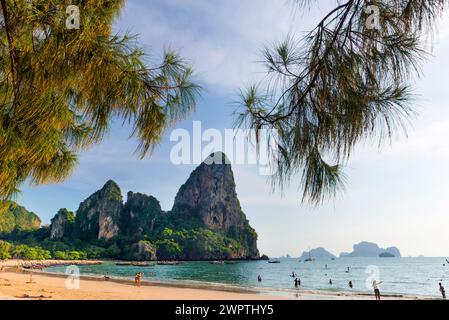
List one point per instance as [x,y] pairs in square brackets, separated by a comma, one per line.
[347,80]
[5,250]
[61,87]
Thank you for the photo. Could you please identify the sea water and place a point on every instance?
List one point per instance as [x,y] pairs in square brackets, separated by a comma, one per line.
[399,276]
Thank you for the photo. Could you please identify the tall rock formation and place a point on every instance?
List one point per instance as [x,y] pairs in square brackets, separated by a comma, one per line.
[139,215]
[206,222]
[209,194]
[98,217]
[62,225]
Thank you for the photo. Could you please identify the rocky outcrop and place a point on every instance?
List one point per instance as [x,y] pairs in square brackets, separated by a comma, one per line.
[394,251]
[142,251]
[370,250]
[318,253]
[62,225]
[98,217]
[206,222]
[14,217]
[139,215]
[209,194]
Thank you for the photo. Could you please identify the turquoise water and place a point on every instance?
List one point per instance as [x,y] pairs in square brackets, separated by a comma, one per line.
[409,276]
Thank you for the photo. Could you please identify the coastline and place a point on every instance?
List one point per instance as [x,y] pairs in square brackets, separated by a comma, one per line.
[16,263]
[40,285]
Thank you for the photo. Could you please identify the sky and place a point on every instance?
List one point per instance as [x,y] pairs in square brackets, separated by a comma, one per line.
[395,196]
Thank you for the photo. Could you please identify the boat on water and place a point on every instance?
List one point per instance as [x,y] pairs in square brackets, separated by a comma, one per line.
[135,264]
[168,263]
[309,259]
[217,262]
[274,261]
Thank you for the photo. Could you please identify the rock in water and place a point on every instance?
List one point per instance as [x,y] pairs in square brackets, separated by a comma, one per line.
[394,251]
[209,195]
[62,225]
[98,217]
[369,249]
[318,253]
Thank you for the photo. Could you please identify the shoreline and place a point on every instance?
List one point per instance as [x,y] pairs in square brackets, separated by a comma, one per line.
[16,263]
[16,285]
[40,285]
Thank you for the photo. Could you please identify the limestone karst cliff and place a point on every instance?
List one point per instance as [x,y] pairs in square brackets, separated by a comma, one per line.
[206,221]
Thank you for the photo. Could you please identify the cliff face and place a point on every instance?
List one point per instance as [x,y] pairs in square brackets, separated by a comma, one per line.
[210,195]
[139,215]
[14,217]
[98,217]
[62,225]
[206,221]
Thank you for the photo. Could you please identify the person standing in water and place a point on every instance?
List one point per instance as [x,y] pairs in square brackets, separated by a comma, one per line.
[330,281]
[376,289]
[442,290]
[351,285]
[259,278]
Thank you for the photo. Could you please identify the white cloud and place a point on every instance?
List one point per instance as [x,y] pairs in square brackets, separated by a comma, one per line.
[222,38]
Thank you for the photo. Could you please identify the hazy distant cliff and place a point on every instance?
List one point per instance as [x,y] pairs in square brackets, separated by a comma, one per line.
[368,249]
[318,253]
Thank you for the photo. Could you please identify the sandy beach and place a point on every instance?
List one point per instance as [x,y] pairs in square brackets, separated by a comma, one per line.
[16,282]
[25,285]
[41,286]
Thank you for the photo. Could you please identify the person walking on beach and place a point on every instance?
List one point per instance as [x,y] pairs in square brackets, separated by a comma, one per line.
[138,279]
[376,289]
[296,283]
[442,290]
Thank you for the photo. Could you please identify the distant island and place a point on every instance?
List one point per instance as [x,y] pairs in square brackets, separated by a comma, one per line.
[205,223]
[318,253]
[371,250]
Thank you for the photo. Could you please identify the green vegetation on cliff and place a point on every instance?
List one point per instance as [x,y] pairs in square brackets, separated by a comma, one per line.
[206,223]
[16,218]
